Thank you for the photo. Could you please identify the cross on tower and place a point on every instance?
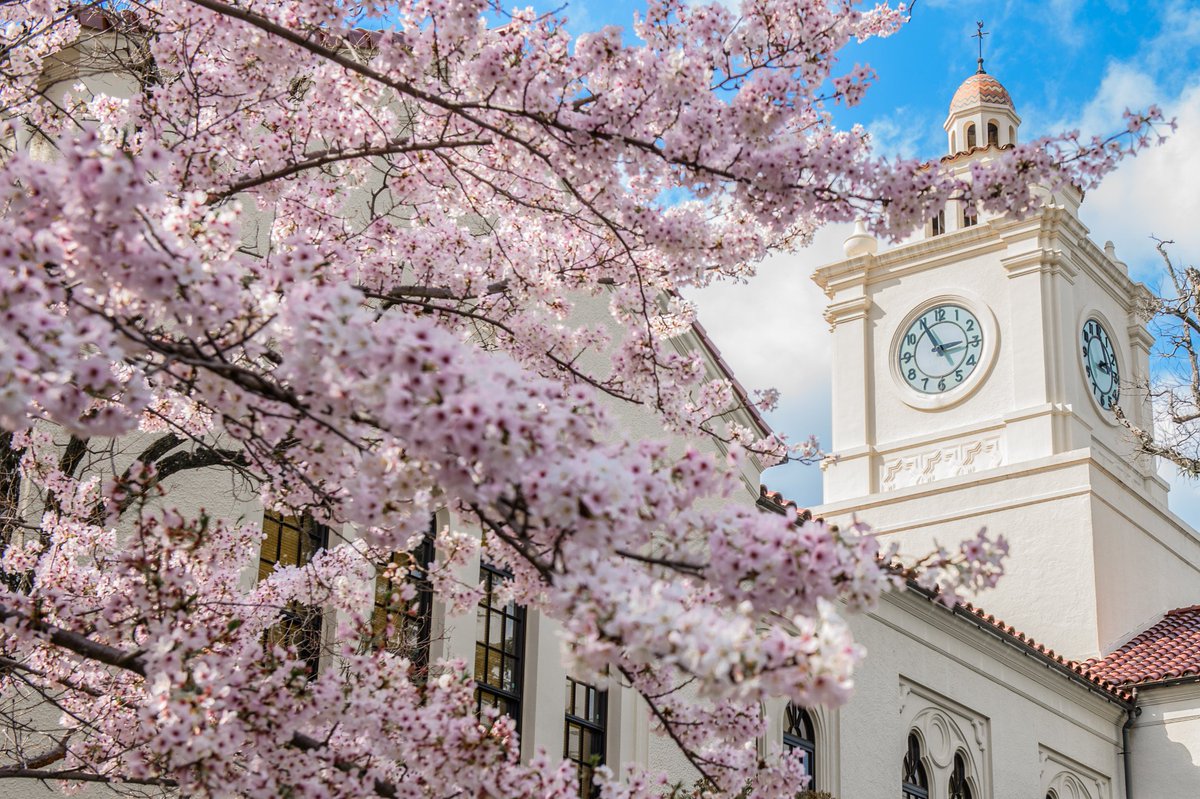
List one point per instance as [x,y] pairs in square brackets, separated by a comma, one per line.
[979,34]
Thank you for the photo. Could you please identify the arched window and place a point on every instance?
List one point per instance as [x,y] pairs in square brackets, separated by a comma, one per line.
[970,136]
[799,733]
[959,788]
[937,225]
[993,134]
[1012,135]
[915,782]
[970,216]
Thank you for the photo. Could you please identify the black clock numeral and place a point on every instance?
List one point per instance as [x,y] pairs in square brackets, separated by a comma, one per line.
[940,314]
[942,384]
[975,341]
[912,374]
[970,360]
[958,375]
[970,324]
[906,357]
[925,382]
[911,338]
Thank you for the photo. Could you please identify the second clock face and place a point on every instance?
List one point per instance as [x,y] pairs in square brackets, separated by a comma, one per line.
[1100,364]
[940,349]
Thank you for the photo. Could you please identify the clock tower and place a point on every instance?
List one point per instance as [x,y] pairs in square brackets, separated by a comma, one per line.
[975,370]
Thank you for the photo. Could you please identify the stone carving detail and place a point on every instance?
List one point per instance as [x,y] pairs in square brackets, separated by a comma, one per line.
[945,729]
[940,463]
[1072,780]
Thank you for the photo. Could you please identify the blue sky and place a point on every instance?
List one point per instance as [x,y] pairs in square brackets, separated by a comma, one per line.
[1067,64]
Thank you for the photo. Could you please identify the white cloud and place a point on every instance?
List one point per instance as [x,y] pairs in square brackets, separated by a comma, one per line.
[1155,193]
[772,333]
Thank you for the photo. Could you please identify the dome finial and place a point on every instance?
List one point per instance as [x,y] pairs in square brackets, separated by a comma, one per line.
[979,34]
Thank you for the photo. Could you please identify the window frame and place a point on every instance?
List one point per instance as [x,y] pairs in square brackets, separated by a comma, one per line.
[309,620]
[599,729]
[913,766]
[490,574]
[795,719]
[959,786]
[937,225]
[424,555]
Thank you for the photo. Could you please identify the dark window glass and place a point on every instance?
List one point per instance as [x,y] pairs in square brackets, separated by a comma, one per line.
[993,134]
[583,737]
[499,649]
[799,733]
[914,783]
[406,627]
[959,787]
[288,541]
[938,226]
[970,136]
[970,216]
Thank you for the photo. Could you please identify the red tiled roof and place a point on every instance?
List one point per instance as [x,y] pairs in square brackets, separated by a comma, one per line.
[780,504]
[1168,650]
[1080,672]
[979,148]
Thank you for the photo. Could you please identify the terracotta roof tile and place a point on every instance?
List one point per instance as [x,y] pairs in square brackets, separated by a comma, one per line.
[978,89]
[778,502]
[1168,650]
[1039,649]
[1070,669]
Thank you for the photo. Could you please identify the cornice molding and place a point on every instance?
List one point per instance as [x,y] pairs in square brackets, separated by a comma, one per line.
[847,311]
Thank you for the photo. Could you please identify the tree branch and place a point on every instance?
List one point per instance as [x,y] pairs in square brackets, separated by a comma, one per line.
[135,662]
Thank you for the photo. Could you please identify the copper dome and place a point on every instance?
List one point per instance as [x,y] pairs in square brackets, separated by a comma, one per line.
[978,89]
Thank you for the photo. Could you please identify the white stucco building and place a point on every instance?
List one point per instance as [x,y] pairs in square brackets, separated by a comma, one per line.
[975,368]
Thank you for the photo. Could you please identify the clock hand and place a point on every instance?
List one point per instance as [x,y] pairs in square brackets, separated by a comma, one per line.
[939,347]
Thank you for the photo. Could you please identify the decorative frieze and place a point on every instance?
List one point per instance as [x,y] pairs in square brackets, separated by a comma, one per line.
[939,463]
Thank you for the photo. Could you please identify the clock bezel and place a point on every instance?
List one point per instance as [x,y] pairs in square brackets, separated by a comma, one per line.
[991,335]
[1088,314]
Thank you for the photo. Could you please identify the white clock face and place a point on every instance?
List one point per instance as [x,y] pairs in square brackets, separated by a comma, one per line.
[940,349]
[1100,364]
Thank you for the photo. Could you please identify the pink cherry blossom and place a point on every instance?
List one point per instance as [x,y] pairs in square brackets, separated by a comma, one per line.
[368,275]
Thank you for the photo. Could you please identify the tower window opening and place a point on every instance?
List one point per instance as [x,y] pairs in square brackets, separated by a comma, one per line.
[993,134]
[938,224]
[1012,135]
[970,216]
[970,136]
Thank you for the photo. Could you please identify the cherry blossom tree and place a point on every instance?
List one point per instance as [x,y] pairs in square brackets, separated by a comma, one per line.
[339,251]
[1173,388]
